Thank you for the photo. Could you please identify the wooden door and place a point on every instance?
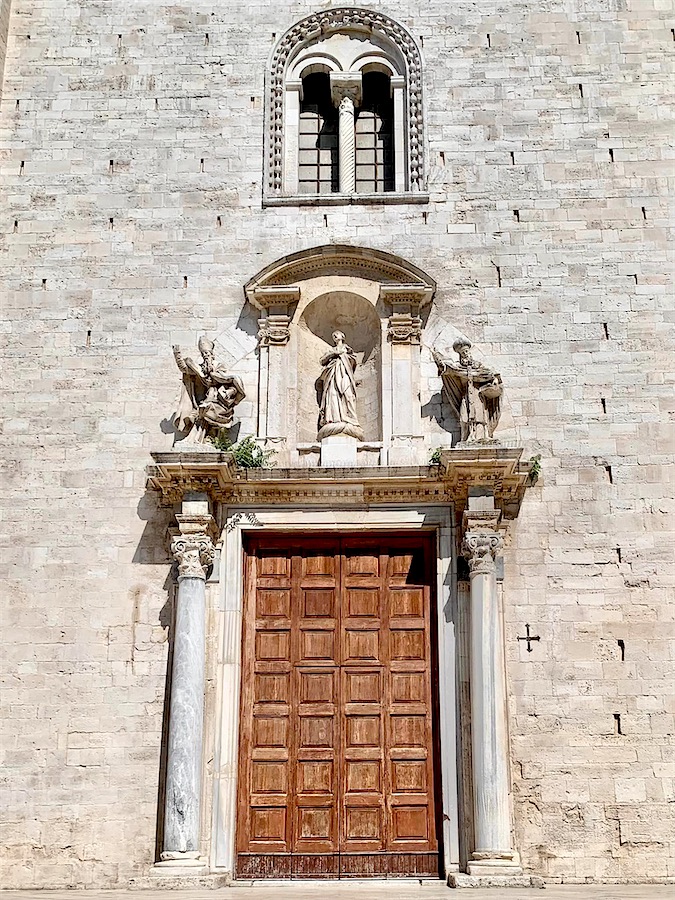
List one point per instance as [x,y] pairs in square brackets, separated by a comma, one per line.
[336,771]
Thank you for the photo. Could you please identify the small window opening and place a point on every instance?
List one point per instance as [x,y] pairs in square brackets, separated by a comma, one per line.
[318,151]
[375,136]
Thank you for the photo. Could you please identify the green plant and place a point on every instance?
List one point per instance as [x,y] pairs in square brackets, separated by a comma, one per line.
[535,468]
[435,458]
[247,454]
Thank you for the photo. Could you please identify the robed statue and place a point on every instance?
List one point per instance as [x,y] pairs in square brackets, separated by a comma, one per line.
[474,391]
[208,396]
[336,387]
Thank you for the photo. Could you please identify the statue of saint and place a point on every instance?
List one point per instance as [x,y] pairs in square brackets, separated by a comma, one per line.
[208,396]
[337,389]
[473,390]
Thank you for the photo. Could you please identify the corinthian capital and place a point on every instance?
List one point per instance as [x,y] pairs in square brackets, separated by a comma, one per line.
[480,548]
[194,555]
[193,548]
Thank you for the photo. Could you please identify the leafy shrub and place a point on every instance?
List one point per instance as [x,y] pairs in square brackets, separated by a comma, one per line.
[247,454]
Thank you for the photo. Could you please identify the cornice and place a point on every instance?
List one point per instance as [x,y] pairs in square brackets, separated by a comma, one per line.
[497,470]
[339,259]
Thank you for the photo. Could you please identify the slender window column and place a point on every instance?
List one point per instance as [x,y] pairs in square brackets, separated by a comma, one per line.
[346,95]
[194,550]
[397,90]
[347,145]
[493,853]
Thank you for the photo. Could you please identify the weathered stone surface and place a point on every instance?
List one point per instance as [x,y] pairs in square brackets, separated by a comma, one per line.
[131,185]
[495,881]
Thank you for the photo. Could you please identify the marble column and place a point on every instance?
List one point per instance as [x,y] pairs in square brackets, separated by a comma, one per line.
[194,551]
[493,851]
[347,146]
[346,95]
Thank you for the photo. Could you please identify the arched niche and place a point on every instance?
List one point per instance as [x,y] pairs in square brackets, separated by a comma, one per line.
[380,302]
[352,314]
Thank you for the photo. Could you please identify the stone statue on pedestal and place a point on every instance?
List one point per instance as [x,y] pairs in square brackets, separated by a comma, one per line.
[208,396]
[337,389]
[474,391]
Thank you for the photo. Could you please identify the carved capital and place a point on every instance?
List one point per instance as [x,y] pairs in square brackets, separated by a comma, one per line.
[406,302]
[480,548]
[346,86]
[194,555]
[193,547]
[404,329]
[273,331]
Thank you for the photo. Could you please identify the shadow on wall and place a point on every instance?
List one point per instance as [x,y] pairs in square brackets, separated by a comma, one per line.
[153,550]
[438,410]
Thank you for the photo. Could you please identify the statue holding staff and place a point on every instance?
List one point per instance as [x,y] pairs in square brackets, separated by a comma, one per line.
[208,396]
[474,391]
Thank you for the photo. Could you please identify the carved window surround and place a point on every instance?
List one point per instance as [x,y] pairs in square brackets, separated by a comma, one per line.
[389,48]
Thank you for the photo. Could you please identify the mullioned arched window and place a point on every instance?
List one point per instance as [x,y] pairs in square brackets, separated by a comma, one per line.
[345,110]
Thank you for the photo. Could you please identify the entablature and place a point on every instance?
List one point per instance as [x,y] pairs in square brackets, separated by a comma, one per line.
[497,470]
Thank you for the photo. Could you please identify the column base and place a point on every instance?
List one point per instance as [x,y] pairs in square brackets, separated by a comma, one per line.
[460,880]
[174,879]
[507,864]
[181,858]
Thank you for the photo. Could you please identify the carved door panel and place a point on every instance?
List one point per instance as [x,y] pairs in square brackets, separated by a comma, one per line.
[336,773]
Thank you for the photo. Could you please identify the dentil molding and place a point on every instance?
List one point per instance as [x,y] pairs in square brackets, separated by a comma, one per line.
[497,470]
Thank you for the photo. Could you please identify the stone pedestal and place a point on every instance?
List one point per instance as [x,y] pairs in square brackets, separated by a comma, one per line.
[493,854]
[338,451]
[193,549]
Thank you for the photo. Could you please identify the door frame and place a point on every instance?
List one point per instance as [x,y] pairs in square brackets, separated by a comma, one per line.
[240,520]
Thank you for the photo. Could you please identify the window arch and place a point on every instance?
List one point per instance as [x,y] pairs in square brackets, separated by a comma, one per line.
[345,108]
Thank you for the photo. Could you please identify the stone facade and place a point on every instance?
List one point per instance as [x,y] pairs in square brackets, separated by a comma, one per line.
[132,183]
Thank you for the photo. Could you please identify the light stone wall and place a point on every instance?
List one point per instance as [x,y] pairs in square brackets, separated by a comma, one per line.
[4,29]
[546,232]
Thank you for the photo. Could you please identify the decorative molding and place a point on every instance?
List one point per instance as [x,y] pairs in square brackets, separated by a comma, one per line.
[178,473]
[274,330]
[345,20]
[406,296]
[385,198]
[404,329]
[273,285]
[493,467]
[406,301]
[275,303]
[498,470]
[267,298]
